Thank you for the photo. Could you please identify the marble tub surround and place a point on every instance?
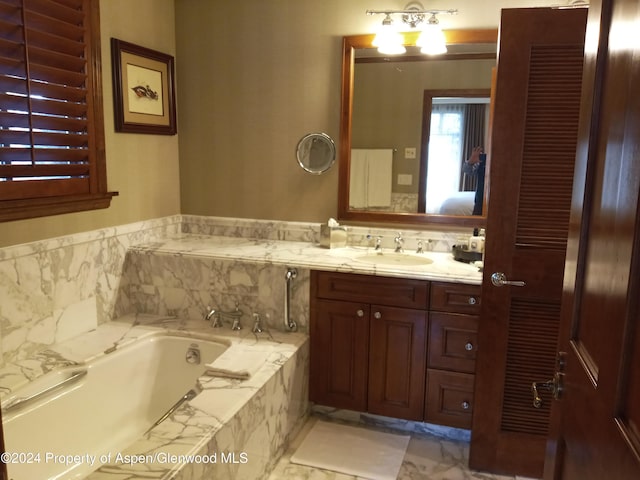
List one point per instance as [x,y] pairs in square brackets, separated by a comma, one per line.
[58,288]
[251,422]
[177,278]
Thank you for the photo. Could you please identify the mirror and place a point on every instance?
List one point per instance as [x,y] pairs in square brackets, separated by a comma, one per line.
[316,153]
[386,120]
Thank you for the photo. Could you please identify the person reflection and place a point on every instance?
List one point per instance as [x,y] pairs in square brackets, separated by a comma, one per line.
[475,165]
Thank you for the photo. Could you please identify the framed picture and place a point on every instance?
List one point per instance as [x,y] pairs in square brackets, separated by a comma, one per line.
[143,90]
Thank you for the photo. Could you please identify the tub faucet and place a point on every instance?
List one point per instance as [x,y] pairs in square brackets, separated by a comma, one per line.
[217,317]
[234,316]
[213,316]
[399,243]
[257,323]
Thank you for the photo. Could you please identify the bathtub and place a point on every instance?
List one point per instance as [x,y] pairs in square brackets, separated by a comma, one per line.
[88,413]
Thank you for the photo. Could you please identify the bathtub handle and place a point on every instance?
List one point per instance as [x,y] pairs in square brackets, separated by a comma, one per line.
[21,401]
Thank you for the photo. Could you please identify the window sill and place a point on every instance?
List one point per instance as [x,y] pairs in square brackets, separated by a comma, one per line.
[42,207]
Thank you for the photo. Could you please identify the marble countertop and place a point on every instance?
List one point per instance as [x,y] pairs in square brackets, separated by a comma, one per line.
[308,255]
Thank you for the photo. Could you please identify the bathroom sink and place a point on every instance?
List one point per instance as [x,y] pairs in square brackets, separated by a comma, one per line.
[404,259]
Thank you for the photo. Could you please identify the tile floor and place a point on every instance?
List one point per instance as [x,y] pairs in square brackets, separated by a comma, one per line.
[428,458]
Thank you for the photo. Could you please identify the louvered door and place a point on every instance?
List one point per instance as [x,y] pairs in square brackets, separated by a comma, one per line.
[534,134]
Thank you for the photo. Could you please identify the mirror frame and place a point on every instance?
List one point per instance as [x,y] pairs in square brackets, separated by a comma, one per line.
[349,45]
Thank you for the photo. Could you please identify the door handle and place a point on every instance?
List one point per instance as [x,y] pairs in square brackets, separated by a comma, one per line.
[499,279]
[555,386]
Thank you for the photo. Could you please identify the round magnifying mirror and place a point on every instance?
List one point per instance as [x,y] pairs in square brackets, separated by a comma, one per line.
[316,153]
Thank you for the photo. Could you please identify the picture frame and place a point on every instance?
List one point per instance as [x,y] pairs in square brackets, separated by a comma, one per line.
[143,89]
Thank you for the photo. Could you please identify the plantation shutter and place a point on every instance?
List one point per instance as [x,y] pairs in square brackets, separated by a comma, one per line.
[51,120]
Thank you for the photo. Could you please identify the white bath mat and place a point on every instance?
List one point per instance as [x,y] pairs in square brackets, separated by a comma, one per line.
[352,450]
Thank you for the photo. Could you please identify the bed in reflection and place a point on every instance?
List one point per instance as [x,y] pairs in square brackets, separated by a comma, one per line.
[460,203]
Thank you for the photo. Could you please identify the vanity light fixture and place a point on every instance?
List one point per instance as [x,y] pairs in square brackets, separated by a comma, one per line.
[388,39]
[431,41]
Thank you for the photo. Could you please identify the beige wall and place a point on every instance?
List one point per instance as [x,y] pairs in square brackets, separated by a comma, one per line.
[257,75]
[253,77]
[144,169]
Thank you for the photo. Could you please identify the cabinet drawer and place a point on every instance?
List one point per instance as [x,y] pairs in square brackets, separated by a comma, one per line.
[455,297]
[453,341]
[395,292]
[449,398]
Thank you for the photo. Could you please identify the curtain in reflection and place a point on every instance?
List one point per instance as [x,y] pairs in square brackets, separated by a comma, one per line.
[473,136]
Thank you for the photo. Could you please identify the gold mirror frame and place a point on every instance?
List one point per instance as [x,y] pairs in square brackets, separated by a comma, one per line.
[350,44]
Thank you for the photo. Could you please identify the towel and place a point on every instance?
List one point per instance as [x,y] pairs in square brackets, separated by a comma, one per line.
[358,179]
[370,178]
[237,362]
[379,178]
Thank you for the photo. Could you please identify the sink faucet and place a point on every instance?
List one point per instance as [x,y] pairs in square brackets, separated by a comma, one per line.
[399,243]
[378,246]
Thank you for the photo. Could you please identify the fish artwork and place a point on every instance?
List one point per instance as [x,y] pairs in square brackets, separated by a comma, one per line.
[145,92]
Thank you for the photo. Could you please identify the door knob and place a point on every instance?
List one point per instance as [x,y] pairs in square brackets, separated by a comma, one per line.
[499,279]
[555,386]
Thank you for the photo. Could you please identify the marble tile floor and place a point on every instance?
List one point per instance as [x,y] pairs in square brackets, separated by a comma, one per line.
[428,458]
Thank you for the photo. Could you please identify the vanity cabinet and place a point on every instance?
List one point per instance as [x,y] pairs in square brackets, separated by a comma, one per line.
[368,343]
[453,332]
[395,347]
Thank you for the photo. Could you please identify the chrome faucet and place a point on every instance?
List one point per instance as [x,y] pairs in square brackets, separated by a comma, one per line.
[378,246]
[217,317]
[399,243]
[419,249]
[257,323]
[213,316]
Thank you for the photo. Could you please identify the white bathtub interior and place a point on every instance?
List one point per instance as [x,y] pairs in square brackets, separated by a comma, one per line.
[121,396]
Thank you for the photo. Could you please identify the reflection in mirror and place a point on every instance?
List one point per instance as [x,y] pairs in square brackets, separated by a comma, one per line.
[316,153]
[455,122]
[386,162]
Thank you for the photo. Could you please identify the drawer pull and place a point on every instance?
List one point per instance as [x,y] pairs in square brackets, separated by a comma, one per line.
[472,300]
[360,313]
[377,315]
[468,346]
[466,405]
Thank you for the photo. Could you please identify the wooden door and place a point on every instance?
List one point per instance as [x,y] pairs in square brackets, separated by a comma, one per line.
[397,362]
[533,146]
[339,334]
[596,423]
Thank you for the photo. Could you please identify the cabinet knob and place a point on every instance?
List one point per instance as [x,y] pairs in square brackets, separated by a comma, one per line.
[468,346]
[466,405]
[360,313]
[377,315]
[472,300]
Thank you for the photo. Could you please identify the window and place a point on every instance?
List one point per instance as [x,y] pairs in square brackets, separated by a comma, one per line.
[52,157]
[445,152]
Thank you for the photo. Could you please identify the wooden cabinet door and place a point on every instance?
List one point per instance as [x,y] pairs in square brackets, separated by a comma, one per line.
[397,362]
[339,336]
[533,149]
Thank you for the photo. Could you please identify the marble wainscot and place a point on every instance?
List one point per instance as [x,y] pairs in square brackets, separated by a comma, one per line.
[63,289]
[241,426]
